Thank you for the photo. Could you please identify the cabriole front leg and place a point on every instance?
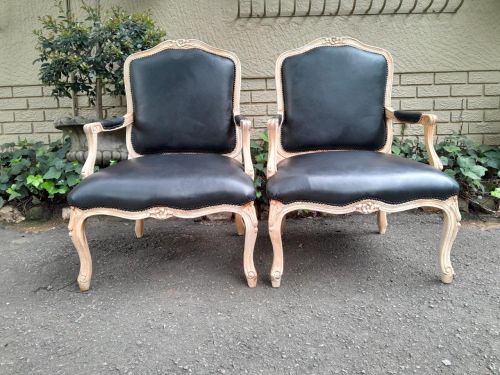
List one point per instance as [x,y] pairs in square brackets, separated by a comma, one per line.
[249,217]
[451,225]
[276,215]
[77,233]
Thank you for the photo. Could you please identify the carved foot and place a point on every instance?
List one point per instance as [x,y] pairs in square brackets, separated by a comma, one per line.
[139,228]
[447,278]
[276,279]
[83,282]
[249,217]
[240,225]
[275,224]
[382,222]
[251,279]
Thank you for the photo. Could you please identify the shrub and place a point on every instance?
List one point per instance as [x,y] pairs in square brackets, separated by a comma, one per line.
[475,167]
[87,56]
[259,149]
[35,172]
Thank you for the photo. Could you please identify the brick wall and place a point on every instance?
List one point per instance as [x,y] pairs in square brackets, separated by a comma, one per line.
[29,112]
[467,102]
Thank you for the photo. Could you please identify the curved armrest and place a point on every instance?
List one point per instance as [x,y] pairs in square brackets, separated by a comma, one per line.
[92,130]
[273,128]
[245,125]
[113,123]
[428,121]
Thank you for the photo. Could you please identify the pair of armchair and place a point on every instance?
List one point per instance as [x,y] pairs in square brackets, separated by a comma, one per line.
[329,147]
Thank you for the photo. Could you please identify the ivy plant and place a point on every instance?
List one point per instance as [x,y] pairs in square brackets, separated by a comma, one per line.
[259,149]
[475,167]
[35,172]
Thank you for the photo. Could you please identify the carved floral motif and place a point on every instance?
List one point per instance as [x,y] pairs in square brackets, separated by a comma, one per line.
[161,213]
[367,207]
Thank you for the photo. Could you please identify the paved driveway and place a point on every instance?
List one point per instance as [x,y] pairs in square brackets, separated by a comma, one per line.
[175,302]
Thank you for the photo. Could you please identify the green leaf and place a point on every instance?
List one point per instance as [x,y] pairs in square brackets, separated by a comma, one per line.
[470,174]
[451,148]
[479,170]
[36,181]
[52,173]
[13,193]
[444,160]
[495,193]
[2,202]
[49,186]
[466,161]
[72,180]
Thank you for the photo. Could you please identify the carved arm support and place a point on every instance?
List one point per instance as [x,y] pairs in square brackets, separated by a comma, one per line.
[92,130]
[428,121]
[245,125]
[273,128]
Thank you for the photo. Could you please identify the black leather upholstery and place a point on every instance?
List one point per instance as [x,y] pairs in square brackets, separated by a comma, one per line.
[334,99]
[183,102]
[185,181]
[342,177]
[408,117]
[112,122]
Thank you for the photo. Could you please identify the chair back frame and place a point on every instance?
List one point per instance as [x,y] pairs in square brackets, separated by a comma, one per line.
[333,42]
[236,153]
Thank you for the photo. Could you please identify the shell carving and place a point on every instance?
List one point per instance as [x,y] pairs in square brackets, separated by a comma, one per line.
[161,213]
[367,207]
[334,40]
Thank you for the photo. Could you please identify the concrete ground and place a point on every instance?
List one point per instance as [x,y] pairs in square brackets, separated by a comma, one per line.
[175,302]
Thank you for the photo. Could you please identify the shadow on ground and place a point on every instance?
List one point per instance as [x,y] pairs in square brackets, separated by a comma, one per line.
[352,301]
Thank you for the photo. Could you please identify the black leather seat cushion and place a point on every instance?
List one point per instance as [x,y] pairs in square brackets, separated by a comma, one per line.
[339,178]
[334,99]
[185,181]
[183,102]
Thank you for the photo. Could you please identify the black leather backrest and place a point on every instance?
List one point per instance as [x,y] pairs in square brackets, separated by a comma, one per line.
[334,99]
[183,102]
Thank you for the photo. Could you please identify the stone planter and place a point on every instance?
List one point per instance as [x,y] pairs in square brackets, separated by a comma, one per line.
[110,145]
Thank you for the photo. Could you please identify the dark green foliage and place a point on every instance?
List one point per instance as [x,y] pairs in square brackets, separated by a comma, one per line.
[475,167]
[74,54]
[259,149]
[36,172]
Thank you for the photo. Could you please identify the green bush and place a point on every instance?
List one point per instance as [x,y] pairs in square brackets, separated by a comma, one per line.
[87,55]
[259,149]
[475,167]
[35,172]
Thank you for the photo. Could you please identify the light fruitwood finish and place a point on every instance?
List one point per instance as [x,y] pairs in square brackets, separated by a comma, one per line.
[78,218]
[246,218]
[277,153]
[449,207]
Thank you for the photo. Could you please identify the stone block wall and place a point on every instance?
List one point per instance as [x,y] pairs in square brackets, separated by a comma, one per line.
[466,102]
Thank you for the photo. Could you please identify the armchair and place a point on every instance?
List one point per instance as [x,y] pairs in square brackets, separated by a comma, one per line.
[188,146]
[330,145]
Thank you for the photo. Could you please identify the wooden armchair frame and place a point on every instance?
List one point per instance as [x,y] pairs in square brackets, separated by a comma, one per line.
[276,153]
[245,216]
